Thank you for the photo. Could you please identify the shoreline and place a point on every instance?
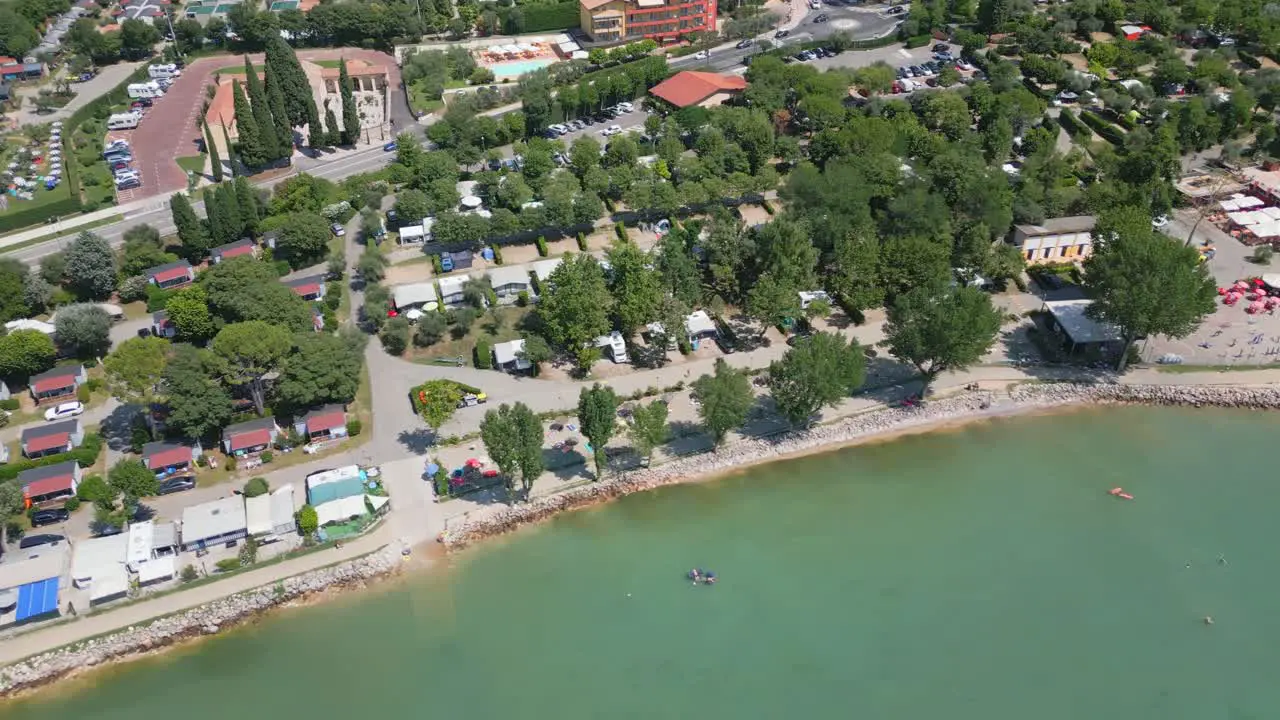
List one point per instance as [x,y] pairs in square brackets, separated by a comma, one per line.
[878,425]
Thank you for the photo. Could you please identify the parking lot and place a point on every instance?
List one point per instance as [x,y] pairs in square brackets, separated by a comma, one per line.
[601,127]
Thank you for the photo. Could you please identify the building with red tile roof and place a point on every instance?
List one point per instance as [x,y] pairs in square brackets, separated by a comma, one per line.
[692,87]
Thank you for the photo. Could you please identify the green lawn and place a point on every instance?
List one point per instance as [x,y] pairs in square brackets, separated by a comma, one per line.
[192,163]
[495,325]
[328,63]
[238,69]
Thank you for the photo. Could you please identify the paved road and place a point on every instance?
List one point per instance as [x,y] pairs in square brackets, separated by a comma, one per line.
[86,92]
[860,23]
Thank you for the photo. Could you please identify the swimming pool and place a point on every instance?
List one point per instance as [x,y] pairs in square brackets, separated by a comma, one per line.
[517,68]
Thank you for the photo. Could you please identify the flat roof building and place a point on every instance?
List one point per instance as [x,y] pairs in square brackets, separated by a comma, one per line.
[213,522]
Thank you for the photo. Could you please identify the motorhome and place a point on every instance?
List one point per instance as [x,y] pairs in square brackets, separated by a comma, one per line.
[124,121]
[165,72]
[145,90]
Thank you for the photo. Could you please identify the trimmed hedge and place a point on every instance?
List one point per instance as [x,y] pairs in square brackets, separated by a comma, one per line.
[484,354]
[917,41]
[542,17]
[85,456]
[1109,132]
[1249,59]
[1072,123]
[32,216]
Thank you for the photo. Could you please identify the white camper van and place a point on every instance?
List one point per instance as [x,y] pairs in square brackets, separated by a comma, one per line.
[163,72]
[145,90]
[123,121]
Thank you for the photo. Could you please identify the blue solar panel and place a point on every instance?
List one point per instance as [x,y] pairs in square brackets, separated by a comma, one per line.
[37,598]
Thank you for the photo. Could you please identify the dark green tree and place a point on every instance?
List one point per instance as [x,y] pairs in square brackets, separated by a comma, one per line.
[191,231]
[84,330]
[215,161]
[321,369]
[255,149]
[250,210]
[598,416]
[133,479]
[91,267]
[513,437]
[303,239]
[283,61]
[316,136]
[649,428]
[724,399]
[819,371]
[260,106]
[279,114]
[198,403]
[24,353]
[939,330]
[574,308]
[853,273]
[333,134]
[249,351]
[1144,283]
[350,115]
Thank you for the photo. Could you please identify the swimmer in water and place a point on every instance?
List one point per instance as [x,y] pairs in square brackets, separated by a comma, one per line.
[1222,559]
[1208,619]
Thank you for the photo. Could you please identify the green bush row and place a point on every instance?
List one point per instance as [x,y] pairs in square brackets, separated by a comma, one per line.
[28,217]
[484,354]
[543,17]
[1109,132]
[1072,123]
[85,456]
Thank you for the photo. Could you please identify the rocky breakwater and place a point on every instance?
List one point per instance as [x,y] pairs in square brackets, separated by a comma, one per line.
[206,619]
[745,452]
[1234,396]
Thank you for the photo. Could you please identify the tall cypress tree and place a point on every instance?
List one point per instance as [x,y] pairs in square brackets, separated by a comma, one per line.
[231,153]
[350,117]
[298,100]
[221,226]
[316,137]
[333,135]
[215,161]
[229,206]
[275,100]
[247,202]
[261,112]
[253,152]
[195,242]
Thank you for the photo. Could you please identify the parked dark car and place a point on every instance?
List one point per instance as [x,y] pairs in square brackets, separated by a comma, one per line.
[744,44]
[49,517]
[781,34]
[174,485]
[31,541]
[941,47]
[896,10]
[822,18]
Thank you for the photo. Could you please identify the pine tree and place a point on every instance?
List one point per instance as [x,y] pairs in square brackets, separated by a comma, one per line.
[247,203]
[315,131]
[253,152]
[231,153]
[299,103]
[230,225]
[332,133]
[275,100]
[215,161]
[261,112]
[350,118]
[195,241]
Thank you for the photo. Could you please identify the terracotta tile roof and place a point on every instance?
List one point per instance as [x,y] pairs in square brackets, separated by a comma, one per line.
[62,472]
[162,454]
[593,4]
[55,379]
[235,249]
[326,418]
[49,485]
[355,68]
[305,286]
[692,87]
[48,442]
[170,271]
[252,438]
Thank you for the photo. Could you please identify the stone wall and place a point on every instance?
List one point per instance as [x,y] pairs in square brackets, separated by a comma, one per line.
[204,620]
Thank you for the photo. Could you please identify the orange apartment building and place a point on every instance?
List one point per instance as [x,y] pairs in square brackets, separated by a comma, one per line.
[661,20]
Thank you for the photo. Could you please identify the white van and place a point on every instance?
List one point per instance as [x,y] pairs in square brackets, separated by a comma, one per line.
[145,90]
[123,121]
[166,72]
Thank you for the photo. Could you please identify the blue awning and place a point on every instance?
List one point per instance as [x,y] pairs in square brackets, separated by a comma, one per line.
[37,598]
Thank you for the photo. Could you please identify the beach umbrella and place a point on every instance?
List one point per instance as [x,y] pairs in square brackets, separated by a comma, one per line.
[432,468]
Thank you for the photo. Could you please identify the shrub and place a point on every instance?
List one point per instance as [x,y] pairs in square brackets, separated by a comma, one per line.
[229,465]
[497,254]
[541,242]
[266,456]
[917,41]
[157,298]
[484,354]
[256,486]
[354,427]
[621,230]
[188,574]
[768,206]
[95,384]
[395,336]
[333,294]
[435,265]
[582,242]
[1262,255]
[1109,132]
[308,520]
[10,404]
[522,299]
[249,552]
[227,564]
[72,504]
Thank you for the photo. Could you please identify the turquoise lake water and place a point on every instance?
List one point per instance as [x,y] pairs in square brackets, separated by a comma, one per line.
[981,574]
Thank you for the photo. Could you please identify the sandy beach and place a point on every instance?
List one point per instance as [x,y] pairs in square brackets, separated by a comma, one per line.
[881,425]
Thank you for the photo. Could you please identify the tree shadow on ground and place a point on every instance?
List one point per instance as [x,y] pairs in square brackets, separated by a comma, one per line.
[418,440]
[116,429]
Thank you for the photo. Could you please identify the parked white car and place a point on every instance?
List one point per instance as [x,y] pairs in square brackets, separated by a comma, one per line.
[1160,221]
[64,411]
